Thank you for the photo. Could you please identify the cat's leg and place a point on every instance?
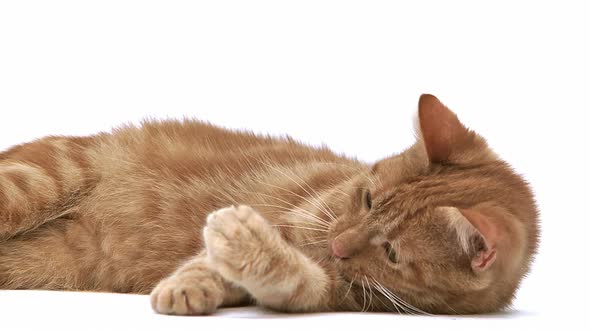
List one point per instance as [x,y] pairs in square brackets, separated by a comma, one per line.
[248,251]
[40,181]
[195,289]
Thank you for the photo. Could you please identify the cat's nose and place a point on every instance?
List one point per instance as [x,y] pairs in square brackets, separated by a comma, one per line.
[350,243]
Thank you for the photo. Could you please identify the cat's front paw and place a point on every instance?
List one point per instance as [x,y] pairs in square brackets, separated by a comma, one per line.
[185,296]
[241,245]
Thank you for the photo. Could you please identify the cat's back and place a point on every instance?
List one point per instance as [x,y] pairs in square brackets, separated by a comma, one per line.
[170,172]
[181,149]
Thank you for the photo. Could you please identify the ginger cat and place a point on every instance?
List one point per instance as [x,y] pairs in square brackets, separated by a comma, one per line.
[204,217]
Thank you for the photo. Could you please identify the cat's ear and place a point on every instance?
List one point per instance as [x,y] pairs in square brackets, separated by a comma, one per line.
[478,234]
[445,137]
[486,236]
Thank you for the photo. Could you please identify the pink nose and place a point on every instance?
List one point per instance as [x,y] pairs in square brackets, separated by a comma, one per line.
[350,242]
[339,249]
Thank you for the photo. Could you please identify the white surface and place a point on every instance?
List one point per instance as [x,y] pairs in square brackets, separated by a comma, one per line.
[347,74]
[36,310]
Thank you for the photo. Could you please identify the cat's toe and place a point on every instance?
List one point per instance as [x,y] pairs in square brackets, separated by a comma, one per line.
[224,221]
[228,244]
[238,241]
[174,296]
[254,221]
[234,221]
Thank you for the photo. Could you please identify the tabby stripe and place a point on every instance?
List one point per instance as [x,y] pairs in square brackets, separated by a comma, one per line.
[41,154]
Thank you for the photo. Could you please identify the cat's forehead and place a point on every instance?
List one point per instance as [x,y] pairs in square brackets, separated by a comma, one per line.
[397,168]
[390,173]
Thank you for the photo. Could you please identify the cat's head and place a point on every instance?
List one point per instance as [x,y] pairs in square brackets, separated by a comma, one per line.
[446,226]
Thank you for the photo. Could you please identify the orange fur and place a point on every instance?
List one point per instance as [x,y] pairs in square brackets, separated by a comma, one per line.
[145,209]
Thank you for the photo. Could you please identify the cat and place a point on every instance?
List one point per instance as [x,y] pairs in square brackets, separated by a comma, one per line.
[202,217]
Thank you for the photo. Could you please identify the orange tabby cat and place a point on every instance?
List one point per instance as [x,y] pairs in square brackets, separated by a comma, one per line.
[204,217]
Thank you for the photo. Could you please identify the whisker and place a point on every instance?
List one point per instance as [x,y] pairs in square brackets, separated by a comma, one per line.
[404,303]
[290,204]
[395,299]
[364,300]
[370,294]
[407,305]
[333,217]
[413,308]
[290,191]
[383,291]
[308,228]
[385,304]
[449,306]
[317,222]
[341,192]
[318,198]
[360,171]
[349,287]
[314,242]
[304,221]
[332,214]
[299,212]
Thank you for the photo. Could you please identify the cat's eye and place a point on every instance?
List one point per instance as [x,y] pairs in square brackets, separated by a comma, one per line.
[390,252]
[368,200]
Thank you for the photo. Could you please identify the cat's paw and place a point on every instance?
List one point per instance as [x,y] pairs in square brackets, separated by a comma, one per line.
[186,296]
[241,245]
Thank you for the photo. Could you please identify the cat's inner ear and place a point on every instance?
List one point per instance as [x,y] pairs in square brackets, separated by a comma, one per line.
[442,132]
[478,234]
[485,238]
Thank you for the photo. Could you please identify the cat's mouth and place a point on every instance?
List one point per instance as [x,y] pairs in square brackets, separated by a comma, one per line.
[349,272]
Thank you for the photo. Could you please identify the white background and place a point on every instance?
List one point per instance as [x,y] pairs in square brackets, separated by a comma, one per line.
[347,74]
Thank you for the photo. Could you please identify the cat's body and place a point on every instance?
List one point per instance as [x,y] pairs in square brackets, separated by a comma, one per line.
[142,198]
[121,212]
